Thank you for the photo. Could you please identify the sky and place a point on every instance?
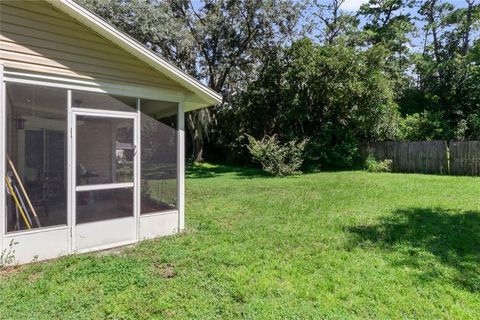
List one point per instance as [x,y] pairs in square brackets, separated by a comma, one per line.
[354,5]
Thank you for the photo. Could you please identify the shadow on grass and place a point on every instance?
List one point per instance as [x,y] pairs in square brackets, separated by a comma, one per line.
[453,238]
[204,170]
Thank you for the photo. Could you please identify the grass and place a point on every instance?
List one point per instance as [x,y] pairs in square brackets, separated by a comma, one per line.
[327,245]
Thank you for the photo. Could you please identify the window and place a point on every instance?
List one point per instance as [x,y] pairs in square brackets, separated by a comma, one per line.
[36,156]
[159,156]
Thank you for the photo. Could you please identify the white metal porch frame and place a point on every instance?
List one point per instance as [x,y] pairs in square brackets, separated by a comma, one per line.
[171,219]
[114,225]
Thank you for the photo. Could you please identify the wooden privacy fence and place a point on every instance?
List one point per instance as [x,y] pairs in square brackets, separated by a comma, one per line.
[465,158]
[438,157]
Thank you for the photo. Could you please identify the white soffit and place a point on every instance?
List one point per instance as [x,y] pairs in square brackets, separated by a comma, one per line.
[203,93]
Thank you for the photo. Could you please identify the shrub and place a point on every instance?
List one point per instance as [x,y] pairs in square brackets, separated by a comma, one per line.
[276,158]
[373,165]
[424,126]
[341,155]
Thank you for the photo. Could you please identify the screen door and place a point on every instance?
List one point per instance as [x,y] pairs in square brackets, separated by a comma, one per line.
[105,155]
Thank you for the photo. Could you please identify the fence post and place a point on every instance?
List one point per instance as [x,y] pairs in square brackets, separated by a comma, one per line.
[447,149]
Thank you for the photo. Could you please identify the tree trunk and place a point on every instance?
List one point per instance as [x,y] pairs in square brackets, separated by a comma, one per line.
[195,130]
[198,149]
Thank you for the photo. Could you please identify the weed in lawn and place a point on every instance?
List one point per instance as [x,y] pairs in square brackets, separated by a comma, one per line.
[7,255]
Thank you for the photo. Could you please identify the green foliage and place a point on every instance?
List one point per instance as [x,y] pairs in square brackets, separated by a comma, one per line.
[349,245]
[276,158]
[335,24]
[373,165]
[349,82]
[389,25]
[124,171]
[342,154]
[335,95]
[447,73]
[424,126]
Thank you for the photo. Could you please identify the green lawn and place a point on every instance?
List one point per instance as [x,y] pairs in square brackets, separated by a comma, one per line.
[326,245]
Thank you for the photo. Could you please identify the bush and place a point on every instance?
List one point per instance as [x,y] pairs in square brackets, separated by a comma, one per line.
[276,158]
[424,126]
[372,165]
[341,155]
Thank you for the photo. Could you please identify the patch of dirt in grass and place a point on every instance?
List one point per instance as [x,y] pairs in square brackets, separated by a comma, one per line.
[34,276]
[9,271]
[116,251]
[165,271]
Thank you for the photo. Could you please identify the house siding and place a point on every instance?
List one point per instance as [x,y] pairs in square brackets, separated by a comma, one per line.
[34,36]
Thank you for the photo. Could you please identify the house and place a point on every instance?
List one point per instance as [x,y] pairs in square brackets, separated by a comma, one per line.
[92,133]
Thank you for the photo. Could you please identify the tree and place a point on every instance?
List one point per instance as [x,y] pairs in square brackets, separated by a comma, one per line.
[333,95]
[446,68]
[389,25]
[218,41]
[388,22]
[333,22]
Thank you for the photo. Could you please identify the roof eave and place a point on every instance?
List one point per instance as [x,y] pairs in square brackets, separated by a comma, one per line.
[94,22]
